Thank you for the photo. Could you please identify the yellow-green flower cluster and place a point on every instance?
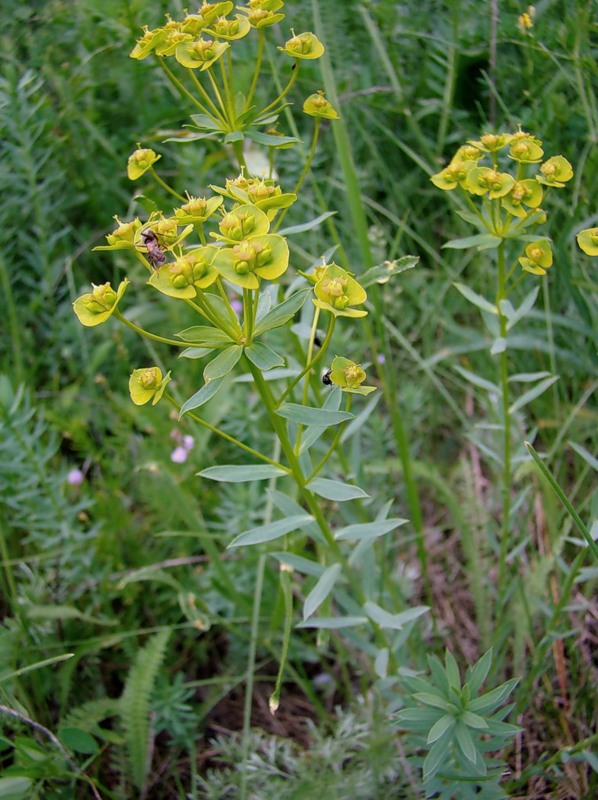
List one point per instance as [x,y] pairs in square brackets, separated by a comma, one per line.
[349,376]
[512,185]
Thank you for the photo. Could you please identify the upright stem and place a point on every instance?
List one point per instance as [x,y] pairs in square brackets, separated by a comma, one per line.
[506,419]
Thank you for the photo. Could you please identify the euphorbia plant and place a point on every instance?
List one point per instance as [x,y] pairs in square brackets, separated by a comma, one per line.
[504,181]
[226,242]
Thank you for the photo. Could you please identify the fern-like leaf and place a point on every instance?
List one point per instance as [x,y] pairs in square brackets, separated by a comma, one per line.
[135,705]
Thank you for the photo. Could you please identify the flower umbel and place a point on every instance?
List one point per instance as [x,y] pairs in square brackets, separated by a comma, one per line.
[538,258]
[336,291]
[349,376]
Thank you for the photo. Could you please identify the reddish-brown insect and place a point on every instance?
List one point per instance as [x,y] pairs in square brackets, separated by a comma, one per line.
[155,255]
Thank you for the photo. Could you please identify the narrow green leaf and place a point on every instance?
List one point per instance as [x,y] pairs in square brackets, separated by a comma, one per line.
[437,756]
[476,299]
[268,140]
[433,700]
[526,398]
[394,621]
[452,671]
[465,742]
[306,226]
[593,545]
[477,674]
[476,380]
[444,724]
[303,565]
[490,701]
[196,352]
[308,415]
[202,396]
[204,335]
[474,721]
[321,590]
[335,490]
[590,460]
[223,363]
[283,312]
[525,307]
[528,377]
[274,530]
[368,530]
[242,473]
[482,241]
[332,623]
[499,345]
[263,358]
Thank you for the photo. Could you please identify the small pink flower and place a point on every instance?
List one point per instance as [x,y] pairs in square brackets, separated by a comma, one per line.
[188,442]
[75,477]
[178,455]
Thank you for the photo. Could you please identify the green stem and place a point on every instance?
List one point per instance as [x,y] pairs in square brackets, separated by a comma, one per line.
[284,92]
[305,170]
[147,334]
[164,185]
[287,594]
[216,114]
[181,87]
[251,657]
[227,436]
[333,444]
[309,498]
[310,363]
[228,95]
[506,420]
[258,66]
[221,102]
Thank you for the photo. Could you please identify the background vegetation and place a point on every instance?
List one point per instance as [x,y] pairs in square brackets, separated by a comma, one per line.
[120,570]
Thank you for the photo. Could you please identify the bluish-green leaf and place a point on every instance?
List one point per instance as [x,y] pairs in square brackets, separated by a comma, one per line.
[306,226]
[321,590]
[274,530]
[269,140]
[481,241]
[223,363]
[532,394]
[303,565]
[335,490]
[202,396]
[242,473]
[283,312]
[16,788]
[478,381]
[393,621]
[308,415]
[368,530]
[476,299]
[263,358]
[196,352]
[440,728]
[332,623]
[204,335]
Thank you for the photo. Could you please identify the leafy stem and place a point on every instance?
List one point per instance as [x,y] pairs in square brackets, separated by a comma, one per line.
[142,332]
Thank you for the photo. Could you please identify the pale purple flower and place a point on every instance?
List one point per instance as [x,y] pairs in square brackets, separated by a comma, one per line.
[178,455]
[381,358]
[188,442]
[237,306]
[75,477]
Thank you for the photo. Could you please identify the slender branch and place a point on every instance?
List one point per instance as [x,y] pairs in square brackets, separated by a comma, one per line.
[11,712]
[147,334]
[164,185]
[305,170]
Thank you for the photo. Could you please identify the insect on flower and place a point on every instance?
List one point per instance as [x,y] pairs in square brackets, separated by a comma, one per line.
[155,254]
[326,379]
